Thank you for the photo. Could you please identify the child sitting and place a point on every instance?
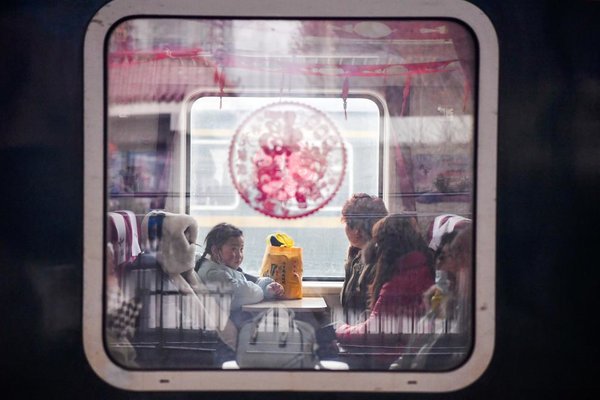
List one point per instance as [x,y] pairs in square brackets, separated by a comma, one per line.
[220,266]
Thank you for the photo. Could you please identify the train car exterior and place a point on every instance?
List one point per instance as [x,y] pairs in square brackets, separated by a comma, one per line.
[71,172]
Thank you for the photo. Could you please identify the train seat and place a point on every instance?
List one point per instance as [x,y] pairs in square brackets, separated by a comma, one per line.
[180,320]
[123,239]
[441,224]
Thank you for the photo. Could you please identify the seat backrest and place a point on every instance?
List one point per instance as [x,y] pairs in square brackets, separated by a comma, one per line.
[172,238]
[123,235]
[441,224]
[168,241]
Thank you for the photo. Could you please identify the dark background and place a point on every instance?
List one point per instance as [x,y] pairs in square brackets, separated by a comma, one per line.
[548,192]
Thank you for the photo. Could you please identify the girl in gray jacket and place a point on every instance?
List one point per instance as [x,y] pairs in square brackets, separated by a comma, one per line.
[224,244]
[219,269]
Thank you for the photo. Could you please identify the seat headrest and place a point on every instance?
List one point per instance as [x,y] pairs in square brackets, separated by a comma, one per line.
[442,224]
[172,237]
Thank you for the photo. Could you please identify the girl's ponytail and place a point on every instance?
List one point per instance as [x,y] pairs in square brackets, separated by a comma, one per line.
[201,260]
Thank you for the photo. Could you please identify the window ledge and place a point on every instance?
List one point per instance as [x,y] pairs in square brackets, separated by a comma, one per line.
[321,288]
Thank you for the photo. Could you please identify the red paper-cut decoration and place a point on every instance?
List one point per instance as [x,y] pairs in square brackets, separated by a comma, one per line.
[287,160]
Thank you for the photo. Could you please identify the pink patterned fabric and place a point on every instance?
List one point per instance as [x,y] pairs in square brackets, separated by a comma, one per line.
[123,235]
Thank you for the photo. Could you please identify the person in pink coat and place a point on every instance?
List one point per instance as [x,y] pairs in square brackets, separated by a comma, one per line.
[403,272]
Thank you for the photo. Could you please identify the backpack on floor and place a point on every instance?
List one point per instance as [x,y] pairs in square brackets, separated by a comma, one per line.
[275,339]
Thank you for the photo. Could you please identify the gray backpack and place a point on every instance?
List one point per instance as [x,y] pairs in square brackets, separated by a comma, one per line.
[274,339]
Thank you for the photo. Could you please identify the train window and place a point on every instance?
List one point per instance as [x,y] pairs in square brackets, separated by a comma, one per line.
[213,198]
[276,117]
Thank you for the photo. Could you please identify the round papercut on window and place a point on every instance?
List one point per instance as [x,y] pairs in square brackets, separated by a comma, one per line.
[287,160]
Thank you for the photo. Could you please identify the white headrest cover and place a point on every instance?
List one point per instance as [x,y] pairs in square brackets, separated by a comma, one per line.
[172,237]
[444,224]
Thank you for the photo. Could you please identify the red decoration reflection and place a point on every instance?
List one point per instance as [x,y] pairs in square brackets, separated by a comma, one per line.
[287,160]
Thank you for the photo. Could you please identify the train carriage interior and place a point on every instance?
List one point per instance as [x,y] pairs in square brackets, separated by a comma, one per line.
[214,120]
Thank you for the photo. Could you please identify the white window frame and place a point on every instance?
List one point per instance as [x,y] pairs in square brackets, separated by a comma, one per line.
[382,135]
[244,380]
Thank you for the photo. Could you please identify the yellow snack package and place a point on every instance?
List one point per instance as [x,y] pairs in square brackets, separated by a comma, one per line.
[283,263]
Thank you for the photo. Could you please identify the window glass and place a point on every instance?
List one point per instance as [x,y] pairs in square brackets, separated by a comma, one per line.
[214,197]
[211,120]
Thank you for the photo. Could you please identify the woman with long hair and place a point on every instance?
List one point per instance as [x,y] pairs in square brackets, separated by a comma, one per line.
[402,268]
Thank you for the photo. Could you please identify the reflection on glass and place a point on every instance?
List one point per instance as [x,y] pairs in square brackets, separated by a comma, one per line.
[184,95]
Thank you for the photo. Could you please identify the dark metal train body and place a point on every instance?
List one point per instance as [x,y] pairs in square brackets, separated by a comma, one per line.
[547,194]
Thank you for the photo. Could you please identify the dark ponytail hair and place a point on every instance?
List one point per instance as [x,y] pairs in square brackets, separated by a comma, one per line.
[217,236]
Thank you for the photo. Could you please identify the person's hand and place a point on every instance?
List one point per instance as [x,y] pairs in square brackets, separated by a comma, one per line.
[437,301]
[428,294]
[274,289]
